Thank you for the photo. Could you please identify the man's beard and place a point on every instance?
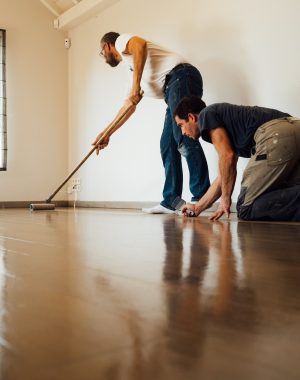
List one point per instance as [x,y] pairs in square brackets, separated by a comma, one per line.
[112,60]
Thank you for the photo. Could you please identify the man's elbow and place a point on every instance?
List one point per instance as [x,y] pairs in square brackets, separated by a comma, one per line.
[139,45]
[230,158]
[144,48]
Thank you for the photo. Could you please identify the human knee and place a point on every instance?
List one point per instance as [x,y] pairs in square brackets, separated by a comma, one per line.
[188,148]
[243,211]
[183,150]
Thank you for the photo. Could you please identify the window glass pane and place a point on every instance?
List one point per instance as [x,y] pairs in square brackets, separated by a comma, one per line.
[2,90]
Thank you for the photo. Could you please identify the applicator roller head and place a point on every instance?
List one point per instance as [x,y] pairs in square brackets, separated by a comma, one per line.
[42,206]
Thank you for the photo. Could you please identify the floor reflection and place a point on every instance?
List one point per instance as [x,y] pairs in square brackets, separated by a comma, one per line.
[211,291]
[122,295]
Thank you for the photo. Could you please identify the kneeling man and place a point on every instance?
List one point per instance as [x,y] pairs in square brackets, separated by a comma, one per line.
[270,188]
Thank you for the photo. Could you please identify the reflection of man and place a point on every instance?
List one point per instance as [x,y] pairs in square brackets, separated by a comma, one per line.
[173,236]
[184,310]
[162,74]
[204,290]
[270,188]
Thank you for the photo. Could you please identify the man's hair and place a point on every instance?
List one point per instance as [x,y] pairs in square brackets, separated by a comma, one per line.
[109,38]
[189,104]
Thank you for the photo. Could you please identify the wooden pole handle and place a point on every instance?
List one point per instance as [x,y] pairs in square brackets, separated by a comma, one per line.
[105,134]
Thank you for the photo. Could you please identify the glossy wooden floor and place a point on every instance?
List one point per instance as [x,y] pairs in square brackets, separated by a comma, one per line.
[103,294]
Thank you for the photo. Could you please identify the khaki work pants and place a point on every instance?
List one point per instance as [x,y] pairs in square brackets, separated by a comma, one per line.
[274,165]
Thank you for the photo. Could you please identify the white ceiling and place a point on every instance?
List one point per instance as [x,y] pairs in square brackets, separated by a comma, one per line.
[70,13]
[58,7]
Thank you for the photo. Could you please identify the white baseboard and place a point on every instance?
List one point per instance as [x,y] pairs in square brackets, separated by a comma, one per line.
[97,204]
[129,205]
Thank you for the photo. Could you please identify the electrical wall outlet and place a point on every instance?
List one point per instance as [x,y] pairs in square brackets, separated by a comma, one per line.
[76,184]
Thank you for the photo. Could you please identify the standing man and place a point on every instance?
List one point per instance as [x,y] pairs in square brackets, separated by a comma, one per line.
[270,188]
[159,73]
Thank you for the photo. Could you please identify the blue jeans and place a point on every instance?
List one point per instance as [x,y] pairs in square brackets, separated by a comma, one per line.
[184,80]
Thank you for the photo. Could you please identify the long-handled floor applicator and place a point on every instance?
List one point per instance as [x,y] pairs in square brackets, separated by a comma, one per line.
[51,206]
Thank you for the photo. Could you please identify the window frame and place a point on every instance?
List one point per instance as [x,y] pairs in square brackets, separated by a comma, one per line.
[3,113]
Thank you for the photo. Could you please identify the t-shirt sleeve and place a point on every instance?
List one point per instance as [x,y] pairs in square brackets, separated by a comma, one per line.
[208,120]
[121,42]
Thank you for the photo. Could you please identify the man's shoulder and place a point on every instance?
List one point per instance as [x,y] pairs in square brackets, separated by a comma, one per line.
[122,40]
[125,36]
[215,107]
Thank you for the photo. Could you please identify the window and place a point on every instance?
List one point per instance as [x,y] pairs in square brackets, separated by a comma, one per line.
[3,141]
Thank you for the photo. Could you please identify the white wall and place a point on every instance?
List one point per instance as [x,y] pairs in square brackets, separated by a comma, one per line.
[247,52]
[36,102]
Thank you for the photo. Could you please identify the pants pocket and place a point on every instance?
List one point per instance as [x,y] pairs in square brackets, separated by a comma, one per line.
[280,148]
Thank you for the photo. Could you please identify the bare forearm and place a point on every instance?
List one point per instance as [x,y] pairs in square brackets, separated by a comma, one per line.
[212,194]
[227,170]
[227,167]
[222,186]
[102,139]
[122,116]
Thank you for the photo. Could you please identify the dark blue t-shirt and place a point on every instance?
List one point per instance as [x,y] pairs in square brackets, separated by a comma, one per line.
[240,122]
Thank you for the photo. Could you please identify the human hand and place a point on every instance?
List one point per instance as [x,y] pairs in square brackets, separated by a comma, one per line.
[136,95]
[103,144]
[224,208]
[189,210]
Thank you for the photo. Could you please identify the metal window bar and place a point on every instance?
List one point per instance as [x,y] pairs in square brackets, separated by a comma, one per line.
[3,125]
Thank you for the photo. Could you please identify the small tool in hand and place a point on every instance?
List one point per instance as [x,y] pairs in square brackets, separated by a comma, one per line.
[178,203]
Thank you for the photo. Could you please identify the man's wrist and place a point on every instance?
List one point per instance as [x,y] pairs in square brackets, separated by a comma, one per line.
[198,209]
[226,200]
